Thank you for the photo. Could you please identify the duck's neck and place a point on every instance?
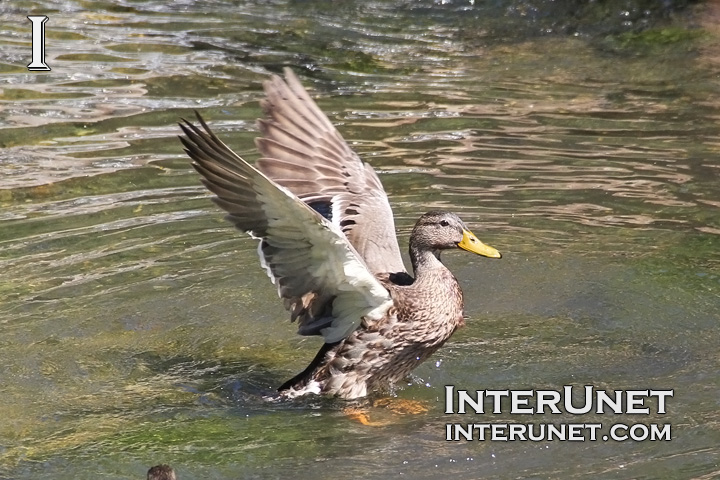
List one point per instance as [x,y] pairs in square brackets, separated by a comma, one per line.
[425,262]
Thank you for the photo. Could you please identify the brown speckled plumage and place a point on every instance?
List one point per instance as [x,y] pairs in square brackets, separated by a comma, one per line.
[425,313]
[327,241]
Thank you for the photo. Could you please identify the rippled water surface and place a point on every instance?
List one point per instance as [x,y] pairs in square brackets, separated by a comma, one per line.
[137,327]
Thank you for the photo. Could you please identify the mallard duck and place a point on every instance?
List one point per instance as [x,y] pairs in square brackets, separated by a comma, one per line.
[327,241]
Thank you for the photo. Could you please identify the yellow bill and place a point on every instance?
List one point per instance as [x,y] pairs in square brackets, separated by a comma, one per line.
[471,243]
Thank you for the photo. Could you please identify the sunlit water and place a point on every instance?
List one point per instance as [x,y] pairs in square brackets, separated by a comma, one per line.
[137,327]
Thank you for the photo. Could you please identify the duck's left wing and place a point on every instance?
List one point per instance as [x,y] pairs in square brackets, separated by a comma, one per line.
[324,283]
[302,151]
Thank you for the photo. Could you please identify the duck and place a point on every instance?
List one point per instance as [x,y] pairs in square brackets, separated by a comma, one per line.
[161,472]
[327,241]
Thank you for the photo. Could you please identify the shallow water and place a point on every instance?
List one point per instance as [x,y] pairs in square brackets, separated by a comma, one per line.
[138,329]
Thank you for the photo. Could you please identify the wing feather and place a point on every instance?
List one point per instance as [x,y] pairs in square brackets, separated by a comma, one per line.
[304,152]
[322,280]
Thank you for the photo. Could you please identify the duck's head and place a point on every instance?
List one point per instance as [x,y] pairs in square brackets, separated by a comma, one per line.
[437,231]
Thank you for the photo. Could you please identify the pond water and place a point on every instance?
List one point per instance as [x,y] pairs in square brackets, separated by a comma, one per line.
[137,327]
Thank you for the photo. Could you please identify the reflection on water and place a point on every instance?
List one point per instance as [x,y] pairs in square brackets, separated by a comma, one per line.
[137,327]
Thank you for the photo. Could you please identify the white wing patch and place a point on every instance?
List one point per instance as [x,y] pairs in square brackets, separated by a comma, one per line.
[322,253]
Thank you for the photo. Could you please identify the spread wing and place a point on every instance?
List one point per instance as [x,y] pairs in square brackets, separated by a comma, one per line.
[304,152]
[324,283]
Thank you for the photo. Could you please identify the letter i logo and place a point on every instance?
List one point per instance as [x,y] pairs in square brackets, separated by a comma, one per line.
[38,43]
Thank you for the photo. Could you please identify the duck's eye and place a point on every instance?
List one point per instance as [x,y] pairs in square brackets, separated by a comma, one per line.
[444,223]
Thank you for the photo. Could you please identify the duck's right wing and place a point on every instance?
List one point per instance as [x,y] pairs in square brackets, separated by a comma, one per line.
[325,285]
[304,152]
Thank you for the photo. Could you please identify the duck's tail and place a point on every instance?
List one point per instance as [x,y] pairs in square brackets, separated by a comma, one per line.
[299,381]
